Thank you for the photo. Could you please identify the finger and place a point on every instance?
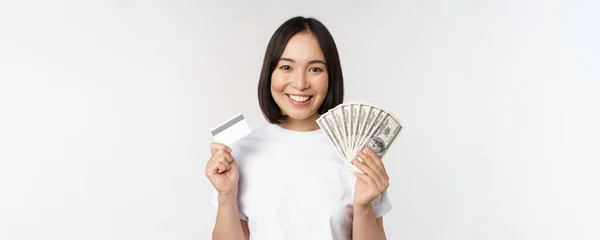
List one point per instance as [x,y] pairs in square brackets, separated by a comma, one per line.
[221,154]
[377,161]
[364,177]
[215,146]
[215,168]
[368,171]
[224,161]
[369,162]
[222,167]
[226,155]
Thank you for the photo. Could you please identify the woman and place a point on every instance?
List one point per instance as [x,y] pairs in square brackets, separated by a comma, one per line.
[285,180]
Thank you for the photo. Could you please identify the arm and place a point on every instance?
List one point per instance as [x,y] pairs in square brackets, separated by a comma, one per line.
[370,185]
[223,174]
[365,225]
[228,224]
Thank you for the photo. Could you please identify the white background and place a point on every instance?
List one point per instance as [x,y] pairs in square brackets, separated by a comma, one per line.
[105,108]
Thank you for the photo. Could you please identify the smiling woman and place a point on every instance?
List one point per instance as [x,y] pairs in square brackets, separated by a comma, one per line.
[301,61]
[284,180]
[299,83]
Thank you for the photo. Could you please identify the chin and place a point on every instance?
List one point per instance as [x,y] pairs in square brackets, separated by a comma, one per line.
[299,116]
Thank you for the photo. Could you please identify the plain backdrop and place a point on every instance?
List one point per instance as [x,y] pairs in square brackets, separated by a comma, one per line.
[106,106]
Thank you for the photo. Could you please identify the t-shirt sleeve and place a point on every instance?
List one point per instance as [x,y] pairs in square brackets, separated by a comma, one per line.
[381,205]
[215,203]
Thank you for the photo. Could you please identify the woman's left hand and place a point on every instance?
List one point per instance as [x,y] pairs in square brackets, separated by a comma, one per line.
[374,179]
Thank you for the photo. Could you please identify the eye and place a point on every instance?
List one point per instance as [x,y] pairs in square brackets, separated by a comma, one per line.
[316,69]
[285,67]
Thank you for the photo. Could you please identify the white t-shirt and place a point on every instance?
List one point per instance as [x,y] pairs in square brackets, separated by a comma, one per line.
[293,185]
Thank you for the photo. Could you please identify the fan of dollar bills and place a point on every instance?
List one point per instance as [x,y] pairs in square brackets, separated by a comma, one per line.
[356,125]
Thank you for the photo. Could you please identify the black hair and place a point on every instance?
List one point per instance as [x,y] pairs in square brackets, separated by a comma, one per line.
[335,91]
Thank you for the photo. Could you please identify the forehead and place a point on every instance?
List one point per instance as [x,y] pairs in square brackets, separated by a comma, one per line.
[303,47]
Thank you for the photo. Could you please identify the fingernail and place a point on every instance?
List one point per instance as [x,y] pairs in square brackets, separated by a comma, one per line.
[229,150]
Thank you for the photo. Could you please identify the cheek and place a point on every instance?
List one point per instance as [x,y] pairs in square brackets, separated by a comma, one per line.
[277,83]
[321,84]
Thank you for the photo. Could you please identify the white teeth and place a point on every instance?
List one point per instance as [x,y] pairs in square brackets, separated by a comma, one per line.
[298,98]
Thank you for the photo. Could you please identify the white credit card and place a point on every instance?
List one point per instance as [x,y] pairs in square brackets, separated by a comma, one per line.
[231,130]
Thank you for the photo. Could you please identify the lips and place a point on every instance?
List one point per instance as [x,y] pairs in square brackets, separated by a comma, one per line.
[299,98]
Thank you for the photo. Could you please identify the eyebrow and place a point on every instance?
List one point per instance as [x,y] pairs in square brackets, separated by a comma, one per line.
[311,62]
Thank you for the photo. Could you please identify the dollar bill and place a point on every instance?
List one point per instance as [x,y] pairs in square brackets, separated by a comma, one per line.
[338,123]
[381,139]
[346,112]
[383,136]
[335,135]
[354,109]
[376,120]
[368,124]
[363,111]
[354,126]
[333,139]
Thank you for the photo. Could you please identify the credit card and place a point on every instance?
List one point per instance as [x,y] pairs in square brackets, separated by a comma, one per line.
[231,130]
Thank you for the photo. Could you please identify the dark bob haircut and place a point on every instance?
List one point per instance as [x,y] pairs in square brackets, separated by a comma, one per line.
[335,91]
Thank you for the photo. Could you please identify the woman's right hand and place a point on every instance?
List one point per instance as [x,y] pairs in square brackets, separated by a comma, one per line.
[222,170]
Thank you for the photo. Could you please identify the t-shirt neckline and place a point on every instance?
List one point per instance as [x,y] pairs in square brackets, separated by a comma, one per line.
[303,134]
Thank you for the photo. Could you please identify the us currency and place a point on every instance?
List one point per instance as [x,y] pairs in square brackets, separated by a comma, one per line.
[357,125]
[338,124]
[335,135]
[363,111]
[383,137]
[354,109]
[376,121]
[368,124]
[370,115]
[372,123]
[333,139]
[346,112]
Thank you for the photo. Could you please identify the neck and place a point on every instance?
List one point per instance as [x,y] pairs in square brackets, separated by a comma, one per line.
[301,125]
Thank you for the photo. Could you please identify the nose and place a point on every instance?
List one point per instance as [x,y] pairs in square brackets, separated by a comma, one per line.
[300,81]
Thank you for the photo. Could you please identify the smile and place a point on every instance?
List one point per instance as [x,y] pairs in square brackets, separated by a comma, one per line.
[299,99]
